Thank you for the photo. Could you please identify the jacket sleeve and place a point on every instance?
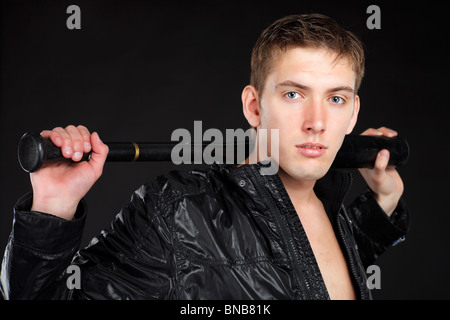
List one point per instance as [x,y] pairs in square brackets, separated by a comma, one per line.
[40,246]
[373,229]
[129,260]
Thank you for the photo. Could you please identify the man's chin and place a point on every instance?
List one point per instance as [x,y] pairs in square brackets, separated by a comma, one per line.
[310,176]
[305,173]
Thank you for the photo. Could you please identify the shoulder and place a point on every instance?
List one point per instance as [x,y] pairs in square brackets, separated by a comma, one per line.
[176,185]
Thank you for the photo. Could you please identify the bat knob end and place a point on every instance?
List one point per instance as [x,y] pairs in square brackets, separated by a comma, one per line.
[31,151]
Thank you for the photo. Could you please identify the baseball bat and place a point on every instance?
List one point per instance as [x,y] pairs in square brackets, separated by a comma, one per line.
[357,151]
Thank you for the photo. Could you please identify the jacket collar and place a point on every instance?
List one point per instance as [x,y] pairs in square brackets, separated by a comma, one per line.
[332,188]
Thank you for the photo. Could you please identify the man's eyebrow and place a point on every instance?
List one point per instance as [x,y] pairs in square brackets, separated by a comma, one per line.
[290,83]
[342,88]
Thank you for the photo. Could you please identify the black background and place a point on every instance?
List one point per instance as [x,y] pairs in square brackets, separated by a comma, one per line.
[137,70]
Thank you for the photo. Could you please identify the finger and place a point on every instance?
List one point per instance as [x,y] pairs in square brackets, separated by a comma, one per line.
[387,132]
[381,162]
[77,142]
[99,153]
[86,137]
[382,131]
[53,136]
[46,133]
[66,145]
[372,132]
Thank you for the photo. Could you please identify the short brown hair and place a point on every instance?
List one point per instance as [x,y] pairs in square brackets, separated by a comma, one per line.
[305,30]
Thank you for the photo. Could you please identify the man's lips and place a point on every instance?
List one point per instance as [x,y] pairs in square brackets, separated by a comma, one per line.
[311,149]
[311,145]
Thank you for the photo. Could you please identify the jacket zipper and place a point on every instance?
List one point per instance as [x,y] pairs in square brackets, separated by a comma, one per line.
[344,242]
[288,239]
[350,259]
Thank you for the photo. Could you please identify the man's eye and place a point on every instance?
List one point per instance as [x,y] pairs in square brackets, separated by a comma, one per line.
[292,95]
[337,100]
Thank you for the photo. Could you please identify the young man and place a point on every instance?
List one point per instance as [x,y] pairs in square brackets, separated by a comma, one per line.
[228,232]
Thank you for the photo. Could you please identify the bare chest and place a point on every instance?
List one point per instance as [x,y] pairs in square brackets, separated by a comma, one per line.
[328,253]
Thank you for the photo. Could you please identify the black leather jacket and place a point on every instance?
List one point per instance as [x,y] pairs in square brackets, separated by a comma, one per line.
[223,233]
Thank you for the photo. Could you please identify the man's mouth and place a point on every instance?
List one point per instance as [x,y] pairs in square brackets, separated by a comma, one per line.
[311,146]
[311,149]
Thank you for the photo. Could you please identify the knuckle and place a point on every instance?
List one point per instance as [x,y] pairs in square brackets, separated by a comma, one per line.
[67,142]
[369,131]
[83,129]
[377,177]
[77,141]
[376,181]
[73,131]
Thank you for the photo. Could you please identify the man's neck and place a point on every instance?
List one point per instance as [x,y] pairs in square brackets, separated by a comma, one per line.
[301,192]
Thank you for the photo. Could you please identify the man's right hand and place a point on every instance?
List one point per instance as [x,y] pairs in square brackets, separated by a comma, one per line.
[59,187]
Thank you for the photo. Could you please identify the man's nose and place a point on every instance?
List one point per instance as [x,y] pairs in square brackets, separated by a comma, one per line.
[314,118]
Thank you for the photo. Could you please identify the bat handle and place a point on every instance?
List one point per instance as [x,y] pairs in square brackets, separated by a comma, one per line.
[34,151]
[360,151]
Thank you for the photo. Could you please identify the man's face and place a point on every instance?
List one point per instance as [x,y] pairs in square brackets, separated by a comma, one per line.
[310,98]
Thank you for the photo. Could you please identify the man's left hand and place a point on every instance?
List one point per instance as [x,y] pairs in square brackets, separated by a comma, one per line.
[384,180]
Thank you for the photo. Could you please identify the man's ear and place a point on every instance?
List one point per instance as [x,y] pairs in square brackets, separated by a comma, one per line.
[250,105]
[354,117]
